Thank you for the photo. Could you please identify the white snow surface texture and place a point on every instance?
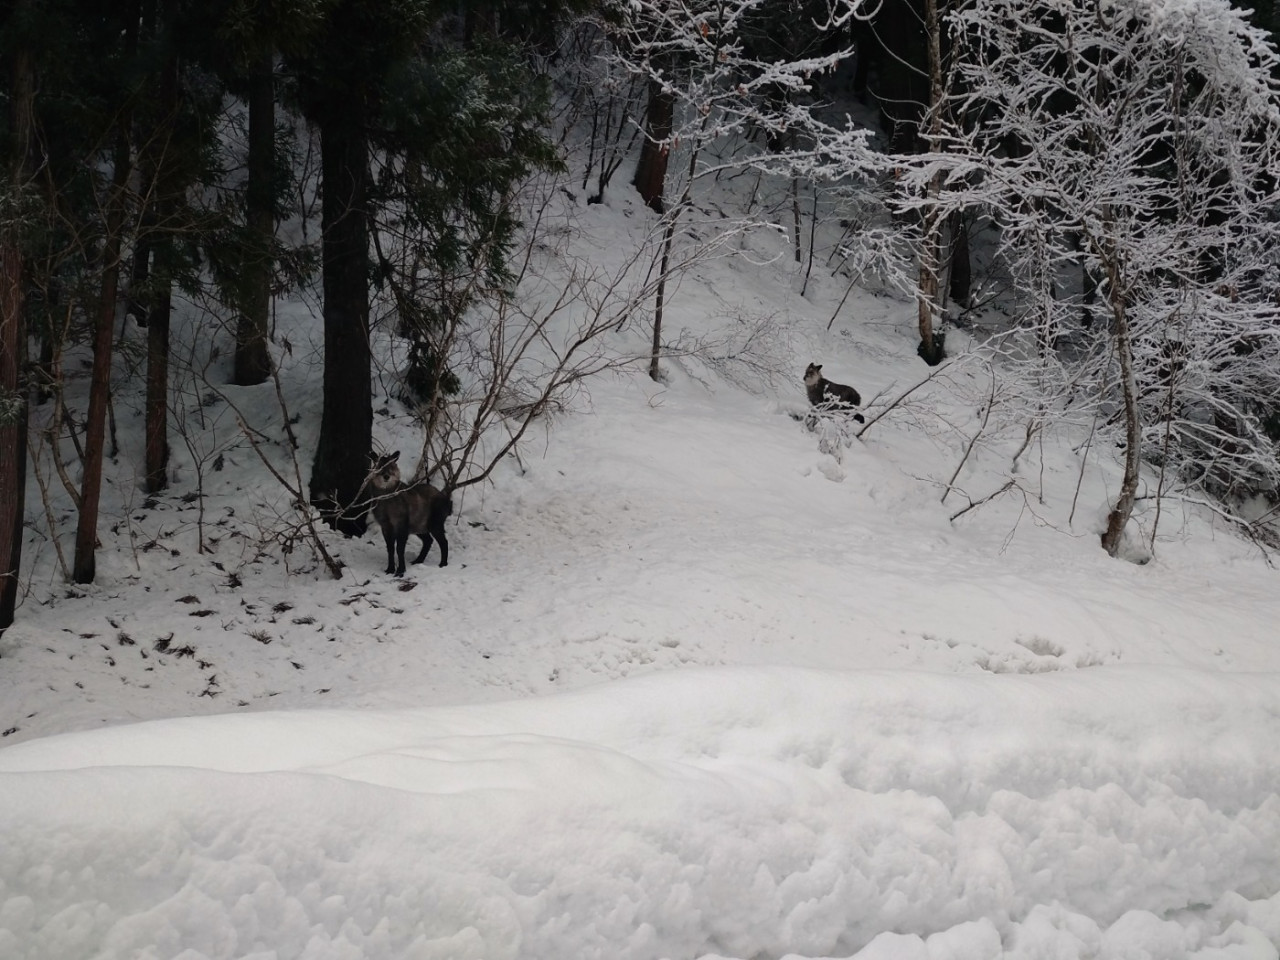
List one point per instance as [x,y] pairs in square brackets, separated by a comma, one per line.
[738,812]
[690,687]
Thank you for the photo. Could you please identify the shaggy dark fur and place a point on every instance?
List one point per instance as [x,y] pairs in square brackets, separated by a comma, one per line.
[400,510]
[835,396]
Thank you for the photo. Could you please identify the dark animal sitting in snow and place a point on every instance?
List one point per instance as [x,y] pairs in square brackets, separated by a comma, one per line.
[828,395]
[400,510]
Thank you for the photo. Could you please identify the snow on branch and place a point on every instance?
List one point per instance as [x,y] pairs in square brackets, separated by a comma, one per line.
[1126,153]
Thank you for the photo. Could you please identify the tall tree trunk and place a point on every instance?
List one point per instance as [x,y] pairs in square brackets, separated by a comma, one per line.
[252,358]
[660,301]
[927,294]
[928,298]
[346,426]
[651,171]
[1120,513]
[13,342]
[672,217]
[157,404]
[84,564]
[166,199]
[84,567]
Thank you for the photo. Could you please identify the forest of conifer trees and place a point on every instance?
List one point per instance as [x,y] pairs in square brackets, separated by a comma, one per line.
[231,153]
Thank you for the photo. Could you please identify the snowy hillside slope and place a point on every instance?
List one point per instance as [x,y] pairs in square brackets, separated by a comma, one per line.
[653,525]
[691,686]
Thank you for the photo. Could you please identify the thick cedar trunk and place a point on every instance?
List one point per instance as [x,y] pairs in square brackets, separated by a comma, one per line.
[157,427]
[83,568]
[651,171]
[346,426]
[166,198]
[13,341]
[252,358]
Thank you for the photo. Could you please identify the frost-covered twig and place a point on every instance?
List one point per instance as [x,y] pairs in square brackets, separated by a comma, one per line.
[297,487]
[934,374]
[986,415]
[987,499]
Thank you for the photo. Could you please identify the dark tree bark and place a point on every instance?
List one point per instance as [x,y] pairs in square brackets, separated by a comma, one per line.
[139,274]
[252,358]
[157,403]
[166,198]
[13,429]
[651,171]
[84,566]
[660,299]
[13,341]
[346,426]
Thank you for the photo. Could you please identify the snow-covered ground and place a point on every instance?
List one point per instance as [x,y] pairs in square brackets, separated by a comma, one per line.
[690,687]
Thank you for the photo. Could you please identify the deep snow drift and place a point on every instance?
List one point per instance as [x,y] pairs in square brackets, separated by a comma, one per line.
[737,811]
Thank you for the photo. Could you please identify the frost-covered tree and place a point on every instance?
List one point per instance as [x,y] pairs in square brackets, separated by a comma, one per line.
[712,82]
[1134,144]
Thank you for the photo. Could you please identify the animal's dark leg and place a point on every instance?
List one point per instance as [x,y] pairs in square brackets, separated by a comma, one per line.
[426,545]
[437,528]
[389,537]
[402,538]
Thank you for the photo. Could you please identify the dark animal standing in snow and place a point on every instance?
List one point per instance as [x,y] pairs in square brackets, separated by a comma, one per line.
[400,510]
[832,396]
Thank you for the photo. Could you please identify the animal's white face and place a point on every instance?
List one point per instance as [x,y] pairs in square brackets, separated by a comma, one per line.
[386,473]
[812,374]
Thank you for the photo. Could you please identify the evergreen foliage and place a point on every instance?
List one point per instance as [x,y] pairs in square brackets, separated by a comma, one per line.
[466,130]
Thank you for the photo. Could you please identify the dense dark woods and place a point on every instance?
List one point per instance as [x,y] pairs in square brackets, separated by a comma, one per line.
[13,325]
[163,156]
[152,150]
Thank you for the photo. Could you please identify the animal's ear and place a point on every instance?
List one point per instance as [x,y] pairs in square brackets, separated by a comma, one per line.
[373,457]
[817,368]
[393,457]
